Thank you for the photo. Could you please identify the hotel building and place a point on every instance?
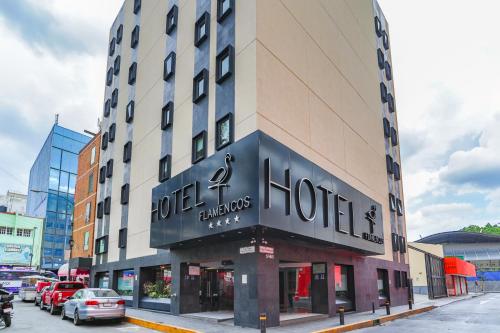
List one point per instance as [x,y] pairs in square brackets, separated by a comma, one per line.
[250,160]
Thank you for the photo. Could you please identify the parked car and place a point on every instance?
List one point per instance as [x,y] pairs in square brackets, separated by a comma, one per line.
[38,296]
[27,293]
[58,292]
[40,287]
[93,304]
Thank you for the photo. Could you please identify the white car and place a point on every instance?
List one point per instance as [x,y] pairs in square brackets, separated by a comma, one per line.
[27,294]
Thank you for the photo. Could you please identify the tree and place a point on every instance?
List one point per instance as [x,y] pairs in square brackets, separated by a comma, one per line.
[489,228]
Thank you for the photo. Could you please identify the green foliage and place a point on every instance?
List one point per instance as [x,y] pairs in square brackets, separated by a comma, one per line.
[157,289]
[489,228]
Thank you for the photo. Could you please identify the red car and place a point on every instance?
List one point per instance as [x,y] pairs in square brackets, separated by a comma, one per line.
[54,296]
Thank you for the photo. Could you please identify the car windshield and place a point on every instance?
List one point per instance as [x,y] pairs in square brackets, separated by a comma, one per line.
[103,293]
[70,286]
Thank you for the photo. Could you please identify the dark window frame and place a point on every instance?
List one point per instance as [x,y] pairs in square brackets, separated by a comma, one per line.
[228,51]
[204,19]
[383,92]
[107,205]
[167,159]
[127,152]
[228,117]
[132,73]
[102,174]
[97,245]
[394,137]
[112,132]
[395,242]
[125,194]
[116,65]
[109,76]
[119,34]
[134,38]
[399,207]
[194,158]
[387,127]
[202,75]
[100,210]
[137,6]
[122,238]
[167,75]
[114,98]
[221,16]
[104,141]
[392,202]
[390,102]
[402,244]
[378,27]
[397,171]
[385,40]
[112,47]
[389,163]
[129,115]
[172,13]
[167,115]
[388,70]
[380,59]
[109,168]
[107,108]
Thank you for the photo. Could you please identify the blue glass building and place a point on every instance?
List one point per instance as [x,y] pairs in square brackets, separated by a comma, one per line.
[51,192]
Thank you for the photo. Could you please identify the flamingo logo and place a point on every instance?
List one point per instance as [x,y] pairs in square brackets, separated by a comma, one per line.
[221,177]
[371,216]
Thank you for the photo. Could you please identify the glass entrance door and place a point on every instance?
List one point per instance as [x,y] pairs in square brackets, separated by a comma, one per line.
[344,287]
[216,289]
[295,288]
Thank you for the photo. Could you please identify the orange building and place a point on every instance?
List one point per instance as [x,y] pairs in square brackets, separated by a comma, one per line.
[85,207]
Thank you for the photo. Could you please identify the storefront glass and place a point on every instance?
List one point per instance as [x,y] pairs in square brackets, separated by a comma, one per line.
[216,289]
[344,287]
[103,280]
[125,283]
[383,286]
[156,284]
[295,288]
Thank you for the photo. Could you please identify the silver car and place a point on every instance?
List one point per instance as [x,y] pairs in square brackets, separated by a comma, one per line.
[93,304]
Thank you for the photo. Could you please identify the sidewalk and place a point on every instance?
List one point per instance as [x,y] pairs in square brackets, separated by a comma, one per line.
[421,301]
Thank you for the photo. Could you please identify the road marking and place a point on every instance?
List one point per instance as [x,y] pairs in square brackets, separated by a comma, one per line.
[129,327]
[483,302]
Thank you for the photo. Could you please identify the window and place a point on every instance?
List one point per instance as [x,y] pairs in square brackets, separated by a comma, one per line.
[86,238]
[164,172]
[107,206]
[23,232]
[112,45]
[404,279]
[172,19]
[90,187]
[167,115]
[224,131]
[54,179]
[109,77]
[402,244]
[135,37]
[169,66]
[380,58]
[102,174]
[119,34]
[199,147]
[101,245]
[88,207]
[388,71]
[387,128]
[112,132]
[394,136]
[100,210]
[390,102]
[378,27]
[395,242]
[109,168]
[397,279]
[385,39]
[224,8]
[137,6]
[224,64]
[382,286]
[107,107]
[129,112]
[6,231]
[117,65]
[92,156]
[200,86]
[104,143]
[201,29]
[125,194]
[392,202]
[132,73]
[399,207]
[127,152]
[122,238]
[397,171]
[389,163]
[383,92]
[114,98]
[344,286]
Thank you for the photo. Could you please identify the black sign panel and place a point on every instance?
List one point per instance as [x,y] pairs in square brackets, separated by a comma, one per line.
[259,181]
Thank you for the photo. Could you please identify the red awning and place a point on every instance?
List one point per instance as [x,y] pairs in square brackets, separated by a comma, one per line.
[456,266]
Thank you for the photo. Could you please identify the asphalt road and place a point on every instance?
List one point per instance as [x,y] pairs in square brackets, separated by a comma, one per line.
[28,318]
[479,314]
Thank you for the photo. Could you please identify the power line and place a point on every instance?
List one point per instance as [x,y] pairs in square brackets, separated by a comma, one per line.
[14,177]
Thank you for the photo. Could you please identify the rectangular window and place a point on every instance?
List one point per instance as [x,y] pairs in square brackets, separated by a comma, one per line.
[390,102]
[92,155]
[102,174]
[122,238]
[388,71]
[394,136]
[395,242]
[107,108]
[169,66]
[134,40]
[116,67]
[90,188]
[105,140]
[6,231]
[397,171]
[389,164]
[224,64]
[137,6]
[107,206]
[112,46]
[378,27]
[54,179]
[167,115]
[171,19]
[404,279]
[112,132]
[201,29]
[344,286]
[109,168]
[380,58]
[399,207]
[385,39]
[127,152]
[19,232]
[109,77]
[387,128]
[392,202]
[100,210]
[164,172]
[402,244]
[101,245]
[200,86]
[119,34]
[383,92]
[397,279]
[382,286]
[125,194]
[86,238]
[224,131]
[132,73]
[199,147]
[129,112]
[88,207]
[224,8]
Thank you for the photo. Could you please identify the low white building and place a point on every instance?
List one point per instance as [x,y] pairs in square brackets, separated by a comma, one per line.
[14,202]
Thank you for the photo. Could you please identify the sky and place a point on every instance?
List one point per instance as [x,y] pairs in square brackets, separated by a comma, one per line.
[446,63]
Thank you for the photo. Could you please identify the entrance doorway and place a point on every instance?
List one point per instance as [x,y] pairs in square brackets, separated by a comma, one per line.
[344,287]
[216,289]
[295,287]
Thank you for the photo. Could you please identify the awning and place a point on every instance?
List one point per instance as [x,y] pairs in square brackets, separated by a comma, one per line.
[63,270]
[456,266]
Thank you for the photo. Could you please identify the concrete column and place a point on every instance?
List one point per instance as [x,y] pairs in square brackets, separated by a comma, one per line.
[185,289]
[137,287]
[319,288]
[331,289]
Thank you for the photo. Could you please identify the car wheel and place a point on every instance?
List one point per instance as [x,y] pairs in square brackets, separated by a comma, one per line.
[36,303]
[52,309]
[63,313]
[41,304]
[76,319]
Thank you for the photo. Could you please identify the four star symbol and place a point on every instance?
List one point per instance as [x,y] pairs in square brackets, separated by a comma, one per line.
[219,223]
[236,219]
[211,225]
[227,221]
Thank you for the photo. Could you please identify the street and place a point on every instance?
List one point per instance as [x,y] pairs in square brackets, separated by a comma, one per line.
[28,318]
[479,314]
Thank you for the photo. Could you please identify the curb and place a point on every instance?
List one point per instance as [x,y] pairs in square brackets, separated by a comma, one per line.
[375,322]
[158,326]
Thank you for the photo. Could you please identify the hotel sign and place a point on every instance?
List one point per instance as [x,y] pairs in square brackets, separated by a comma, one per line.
[259,182]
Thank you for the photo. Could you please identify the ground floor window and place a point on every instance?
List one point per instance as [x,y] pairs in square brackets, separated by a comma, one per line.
[295,287]
[216,289]
[156,284]
[125,283]
[102,280]
[344,287]
[383,286]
